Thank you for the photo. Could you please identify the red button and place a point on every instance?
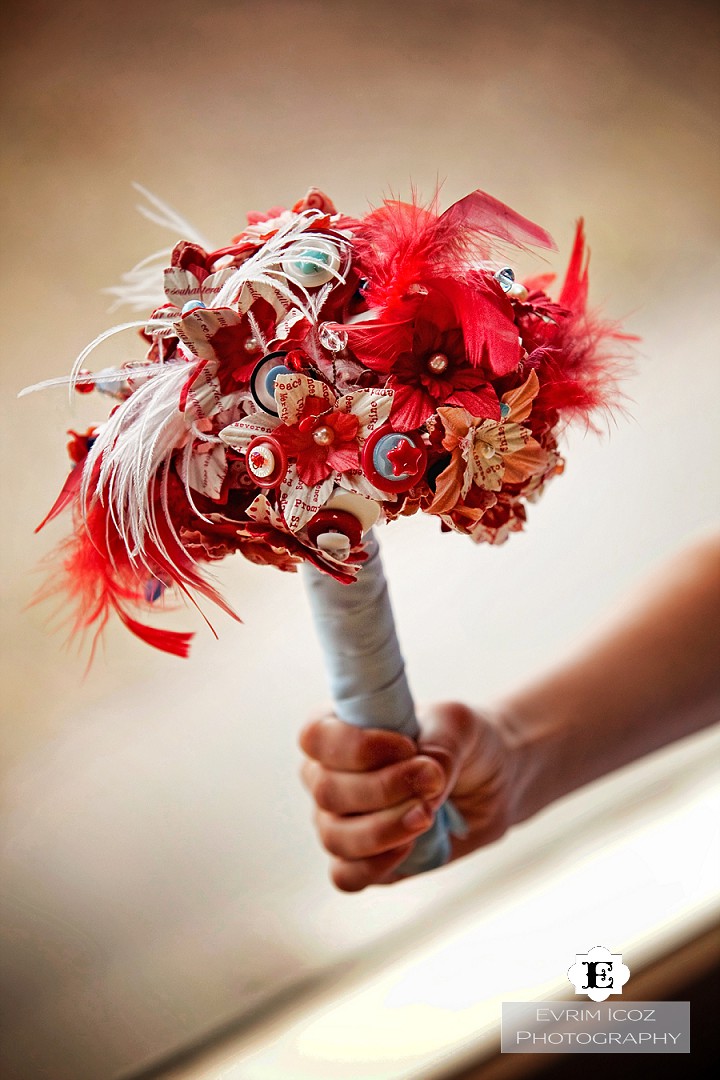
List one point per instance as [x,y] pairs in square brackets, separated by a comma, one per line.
[266,461]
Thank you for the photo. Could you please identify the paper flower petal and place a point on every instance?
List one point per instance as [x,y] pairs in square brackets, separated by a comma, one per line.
[301,502]
[520,400]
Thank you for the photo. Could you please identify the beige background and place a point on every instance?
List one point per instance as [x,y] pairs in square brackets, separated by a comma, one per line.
[160,874]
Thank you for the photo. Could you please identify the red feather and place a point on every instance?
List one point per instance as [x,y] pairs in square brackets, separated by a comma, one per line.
[68,494]
[488,325]
[99,577]
[580,357]
[489,217]
[175,642]
[407,250]
[574,293]
[402,248]
[378,344]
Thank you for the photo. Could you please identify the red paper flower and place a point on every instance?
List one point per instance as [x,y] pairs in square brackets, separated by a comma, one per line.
[228,337]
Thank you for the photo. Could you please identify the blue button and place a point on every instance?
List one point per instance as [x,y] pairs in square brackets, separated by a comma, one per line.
[272,376]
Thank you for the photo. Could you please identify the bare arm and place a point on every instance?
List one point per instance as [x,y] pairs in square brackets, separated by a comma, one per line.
[651,676]
[647,678]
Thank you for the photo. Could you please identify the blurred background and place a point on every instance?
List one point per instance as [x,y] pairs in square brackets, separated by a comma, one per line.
[160,877]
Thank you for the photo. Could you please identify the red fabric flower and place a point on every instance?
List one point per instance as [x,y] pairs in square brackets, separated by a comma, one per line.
[435,372]
[324,441]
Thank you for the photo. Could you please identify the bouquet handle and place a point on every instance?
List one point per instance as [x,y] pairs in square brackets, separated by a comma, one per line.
[366,673]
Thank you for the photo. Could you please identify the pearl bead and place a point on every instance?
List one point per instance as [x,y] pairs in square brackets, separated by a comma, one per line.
[518,292]
[251,344]
[438,363]
[488,451]
[323,435]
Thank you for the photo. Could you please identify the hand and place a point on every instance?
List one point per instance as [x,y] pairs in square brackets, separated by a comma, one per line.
[648,678]
[376,791]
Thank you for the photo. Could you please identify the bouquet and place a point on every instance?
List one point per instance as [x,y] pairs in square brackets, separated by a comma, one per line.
[316,375]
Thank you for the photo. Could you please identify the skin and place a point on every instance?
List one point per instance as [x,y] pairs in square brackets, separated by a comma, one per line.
[649,676]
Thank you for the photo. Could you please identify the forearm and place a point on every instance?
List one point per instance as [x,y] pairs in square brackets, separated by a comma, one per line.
[649,678]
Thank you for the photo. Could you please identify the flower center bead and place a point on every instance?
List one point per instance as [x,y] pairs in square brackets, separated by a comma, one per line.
[438,363]
[323,435]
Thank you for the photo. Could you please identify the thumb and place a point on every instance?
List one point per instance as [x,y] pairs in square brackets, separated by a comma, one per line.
[447,734]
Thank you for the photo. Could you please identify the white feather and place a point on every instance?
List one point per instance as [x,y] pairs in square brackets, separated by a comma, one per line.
[264,267]
[131,449]
[164,215]
[142,287]
[119,329]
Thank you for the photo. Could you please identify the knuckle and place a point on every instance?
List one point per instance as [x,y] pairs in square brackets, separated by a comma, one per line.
[458,717]
[348,877]
[365,753]
[319,735]
[330,834]
[381,748]
[306,775]
[395,784]
[309,739]
[325,791]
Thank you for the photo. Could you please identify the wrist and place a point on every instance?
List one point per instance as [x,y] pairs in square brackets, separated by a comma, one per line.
[537,737]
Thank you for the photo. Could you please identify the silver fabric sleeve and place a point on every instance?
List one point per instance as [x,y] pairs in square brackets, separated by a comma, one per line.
[366,671]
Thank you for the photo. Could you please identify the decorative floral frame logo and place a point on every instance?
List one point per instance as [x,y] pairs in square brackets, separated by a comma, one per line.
[598,973]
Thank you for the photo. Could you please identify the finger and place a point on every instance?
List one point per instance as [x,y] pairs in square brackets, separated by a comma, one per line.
[366,835]
[357,875]
[351,749]
[361,793]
